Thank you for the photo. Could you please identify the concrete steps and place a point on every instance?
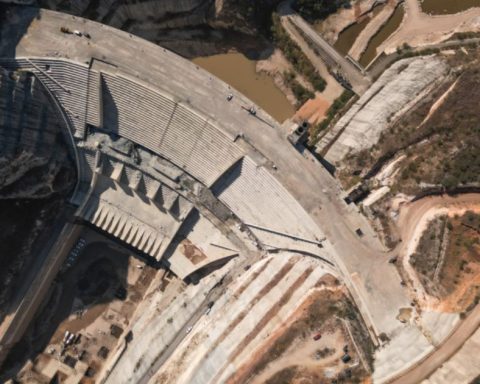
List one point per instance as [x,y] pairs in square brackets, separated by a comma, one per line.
[252,309]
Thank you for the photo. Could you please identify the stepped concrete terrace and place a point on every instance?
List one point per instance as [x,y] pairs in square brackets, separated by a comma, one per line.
[165,82]
[167,117]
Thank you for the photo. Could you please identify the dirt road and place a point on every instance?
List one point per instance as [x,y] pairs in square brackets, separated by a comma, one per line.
[291,22]
[413,220]
[419,28]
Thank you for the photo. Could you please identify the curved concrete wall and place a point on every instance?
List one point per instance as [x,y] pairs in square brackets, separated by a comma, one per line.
[109,101]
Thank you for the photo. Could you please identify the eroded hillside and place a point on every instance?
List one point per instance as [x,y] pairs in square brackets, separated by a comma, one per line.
[188,27]
[36,174]
[436,140]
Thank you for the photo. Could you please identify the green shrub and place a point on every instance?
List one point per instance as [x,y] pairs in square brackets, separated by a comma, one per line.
[318,9]
[295,56]
[301,93]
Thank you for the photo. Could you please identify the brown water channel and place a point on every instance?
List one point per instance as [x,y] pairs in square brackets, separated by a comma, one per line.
[347,37]
[445,7]
[238,71]
[383,34]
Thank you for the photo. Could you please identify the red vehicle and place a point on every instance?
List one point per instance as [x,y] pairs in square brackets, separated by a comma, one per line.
[317,336]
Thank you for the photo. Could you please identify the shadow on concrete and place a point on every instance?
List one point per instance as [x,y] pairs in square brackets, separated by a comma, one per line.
[227,178]
[207,269]
[185,229]
[110,111]
[182,234]
[326,164]
[301,252]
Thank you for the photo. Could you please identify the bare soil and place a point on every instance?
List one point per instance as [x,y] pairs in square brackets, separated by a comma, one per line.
[192,252]
[447,261]
[291,355]
[314,110]
[96,298]
[460,275]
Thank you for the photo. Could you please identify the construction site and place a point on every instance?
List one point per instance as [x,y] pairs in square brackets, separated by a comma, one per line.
[167,229]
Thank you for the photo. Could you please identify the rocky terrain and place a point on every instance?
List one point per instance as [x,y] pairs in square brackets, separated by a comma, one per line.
[36,174]
[415,133]
[188,27]
[433,145]
[397,90]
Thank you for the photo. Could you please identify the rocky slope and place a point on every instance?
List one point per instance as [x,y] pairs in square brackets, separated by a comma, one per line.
[397,90]
[188,27]
[36,174]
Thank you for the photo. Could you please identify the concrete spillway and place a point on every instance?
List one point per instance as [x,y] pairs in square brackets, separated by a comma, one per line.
[156,140]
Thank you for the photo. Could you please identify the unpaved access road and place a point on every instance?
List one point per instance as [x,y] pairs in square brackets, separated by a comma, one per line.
[451,345]
[412,215]
[413,221]
[419,28]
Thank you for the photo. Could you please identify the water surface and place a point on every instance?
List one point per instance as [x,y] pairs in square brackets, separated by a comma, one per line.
[347,37]
[238,71]
[445,7]
[383,34]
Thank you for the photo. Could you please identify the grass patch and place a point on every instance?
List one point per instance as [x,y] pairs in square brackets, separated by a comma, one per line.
[301,93]
[295,56]
[321,309]
[337,106]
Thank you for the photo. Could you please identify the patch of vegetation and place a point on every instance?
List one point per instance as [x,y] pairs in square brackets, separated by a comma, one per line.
[442,274]
[285,376]
[422,52]
[472,220]
[427,257]
[337,106]
[464,36]
[301,93]
[295,56]
[464,166]
[444,150]
[476,380]
[317,313]
[324,352]
[318,9]
[406,51]
[463,252]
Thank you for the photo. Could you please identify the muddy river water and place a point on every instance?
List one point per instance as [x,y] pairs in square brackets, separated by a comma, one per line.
[383,34]
[443,7]
[434,7]
[238,71]
[347,37]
